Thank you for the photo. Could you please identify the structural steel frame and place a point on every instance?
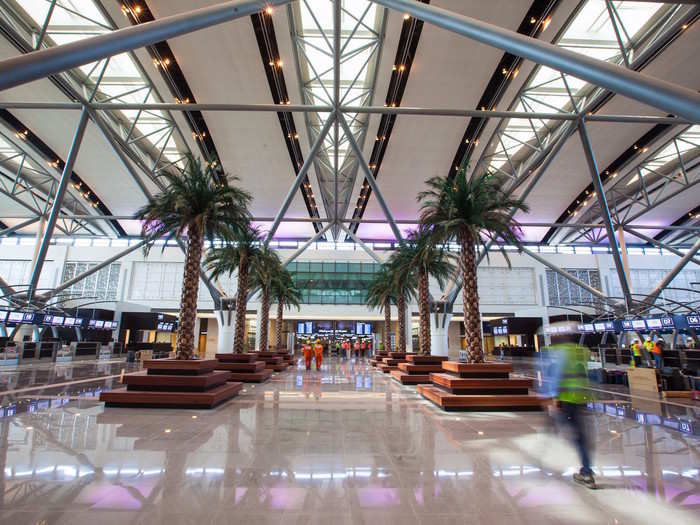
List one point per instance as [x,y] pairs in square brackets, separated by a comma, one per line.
[45,62]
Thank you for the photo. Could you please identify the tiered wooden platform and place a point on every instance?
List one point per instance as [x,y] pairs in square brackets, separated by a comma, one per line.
[479,386]
[175,384]
[417,368]
[378,357]
[286,356]
[243,367]
[273,361]
[392,361]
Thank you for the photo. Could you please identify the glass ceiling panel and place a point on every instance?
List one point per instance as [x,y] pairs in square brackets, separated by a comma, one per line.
[590,33]
[360,26]
[120,80]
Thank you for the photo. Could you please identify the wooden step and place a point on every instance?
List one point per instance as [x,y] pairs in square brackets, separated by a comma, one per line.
[255,366]
[461,385]
[208,399]
[485,403]
[386,368]
[180,366]
[169,383]
[393,361]
[426,359]
[277,367]
[251,377]
[237,358]
[271,360]
[419,369]
[495,370]
[410,379]
[400,355]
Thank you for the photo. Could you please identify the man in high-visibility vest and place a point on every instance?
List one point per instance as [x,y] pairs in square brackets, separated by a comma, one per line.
[657,353]
[636,357]
[572,396]
[318,350]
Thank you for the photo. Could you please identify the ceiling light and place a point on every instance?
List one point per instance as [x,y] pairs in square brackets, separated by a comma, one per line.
[402,68]
[269,10]
[167,431]
[137,9]
[533,20]
[407,16]
[546,22]
[194,417]
[280,63]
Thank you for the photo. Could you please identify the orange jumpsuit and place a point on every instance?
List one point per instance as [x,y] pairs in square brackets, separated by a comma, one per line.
[308,355]
[318,350]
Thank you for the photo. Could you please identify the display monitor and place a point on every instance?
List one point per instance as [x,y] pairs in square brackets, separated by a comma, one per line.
[91,323]
[69,321]
[48,319]
[308,327]
[627,325]
[57,320]
[300,327]
[609,326]
[579,327]
[99,324]
[693,320]
[79,321]
[667,323]
[588,328]
[639,324]
[654,324]
[15,317]
[368,328]
[169,326]
[28,317]
[161,326]
[3,316]
[360,328]
[599,327]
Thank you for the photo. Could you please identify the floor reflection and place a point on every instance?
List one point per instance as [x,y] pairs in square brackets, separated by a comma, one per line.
[345,444]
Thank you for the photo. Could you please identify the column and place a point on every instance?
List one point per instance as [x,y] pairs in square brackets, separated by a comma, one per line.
[258,324]
[439,325]
[226,324]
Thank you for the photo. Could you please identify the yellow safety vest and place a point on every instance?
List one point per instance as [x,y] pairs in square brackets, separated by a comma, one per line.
[574,374]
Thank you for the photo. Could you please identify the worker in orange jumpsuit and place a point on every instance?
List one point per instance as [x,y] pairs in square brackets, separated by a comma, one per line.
[318,350]
[308,354]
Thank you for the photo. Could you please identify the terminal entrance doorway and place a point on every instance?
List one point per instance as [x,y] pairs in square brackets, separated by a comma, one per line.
[344,338]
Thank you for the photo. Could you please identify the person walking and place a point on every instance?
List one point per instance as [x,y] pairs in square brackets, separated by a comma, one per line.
[571,400]
[657,352]
[308,354]
[318,351]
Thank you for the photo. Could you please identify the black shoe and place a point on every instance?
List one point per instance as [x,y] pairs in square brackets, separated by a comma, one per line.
[586,480]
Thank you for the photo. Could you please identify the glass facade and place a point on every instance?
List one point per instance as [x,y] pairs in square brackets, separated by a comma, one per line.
[331,282]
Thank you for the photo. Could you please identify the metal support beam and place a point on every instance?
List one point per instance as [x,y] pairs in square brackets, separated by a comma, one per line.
[24,224]
[655,92]
[649,300]
[300,177]
[57,202]
[605,214]
[308,243]
[40,64]
[366,248]
[370,177]
[660,244]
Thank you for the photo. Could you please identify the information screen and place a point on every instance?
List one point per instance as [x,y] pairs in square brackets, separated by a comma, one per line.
[300,327]
[3,316]
[588,328]
[639,324]
[309,327]
[599,327]
[667,322]
[28,317]
[693,320]
[57,320]
[48,319]
[627,325]
[654,324]
[15,317]
[609,326]
[91,324]
[161,326]
[69,321]
[99,324]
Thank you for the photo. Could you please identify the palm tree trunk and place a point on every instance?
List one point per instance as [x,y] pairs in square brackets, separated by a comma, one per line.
[401,304]
[424,312]
[188,300]
[264,319]
[278,323]
[241,304]
[387,325]
[470,298]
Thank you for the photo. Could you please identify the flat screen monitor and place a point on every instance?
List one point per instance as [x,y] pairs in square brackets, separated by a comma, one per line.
[161,326]
[107,325]
[3,316]
[693,320]
[609,326]
[639,324]
[79,321]
[308,327]
[667,323]
[599,327]
[588,328]
[300,327]
[360,328]
[57,320]
[169,326]
[627,325]
[368,328]
[579,327]
[91,323]
[99,324]
[48,319]
[15,317]
[69,321]
[654,324]
[28,317]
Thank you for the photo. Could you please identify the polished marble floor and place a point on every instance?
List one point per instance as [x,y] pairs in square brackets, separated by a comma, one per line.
[343,445]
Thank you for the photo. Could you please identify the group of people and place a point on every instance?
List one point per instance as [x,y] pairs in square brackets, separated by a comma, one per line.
[653,348]
[312,352]
[347,348]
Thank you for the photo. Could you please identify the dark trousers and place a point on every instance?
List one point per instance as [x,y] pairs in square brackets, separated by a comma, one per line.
[573,416]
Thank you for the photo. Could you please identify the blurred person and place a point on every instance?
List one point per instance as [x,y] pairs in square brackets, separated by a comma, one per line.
[657,353]
[308,354]
[636,351]
[570,376]
[363,348]
[356,348]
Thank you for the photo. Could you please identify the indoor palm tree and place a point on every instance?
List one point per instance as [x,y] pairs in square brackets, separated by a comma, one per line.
[429,258]
[286,293]
[405,276]
[197,203]
[472,211]
[265,267]
[242,246]
[380,294]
